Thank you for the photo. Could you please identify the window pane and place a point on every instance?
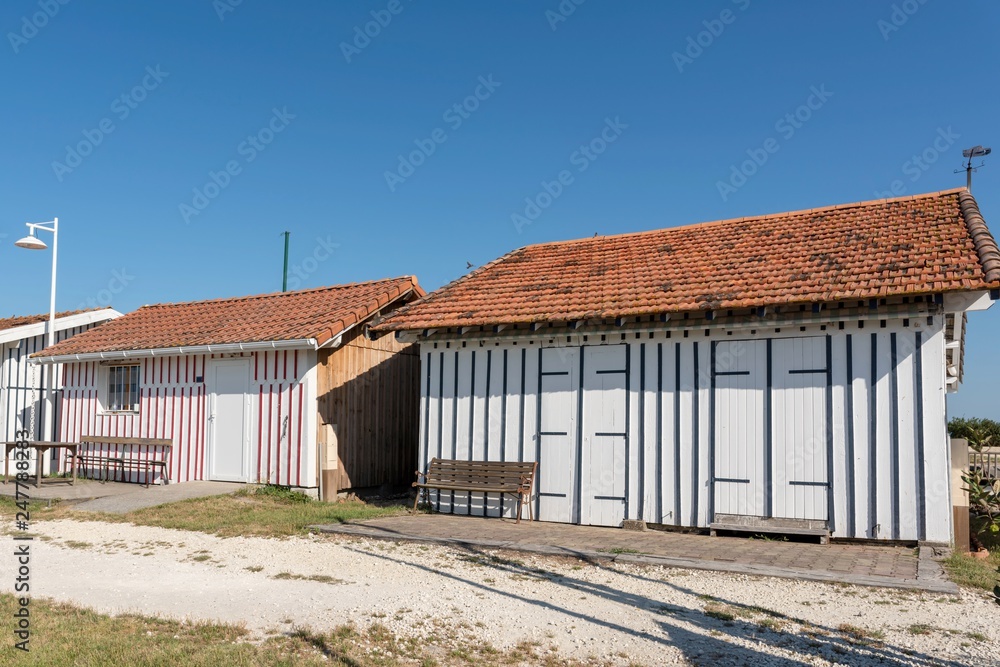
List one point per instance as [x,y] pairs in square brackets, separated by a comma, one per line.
[123,388]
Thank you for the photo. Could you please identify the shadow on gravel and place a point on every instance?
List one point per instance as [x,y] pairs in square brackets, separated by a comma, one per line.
[702,635]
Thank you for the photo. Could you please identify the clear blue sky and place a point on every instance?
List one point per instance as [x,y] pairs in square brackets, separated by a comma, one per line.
[328,122]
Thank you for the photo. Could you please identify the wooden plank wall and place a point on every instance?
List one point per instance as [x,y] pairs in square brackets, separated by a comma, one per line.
[173,401]
[885,442]
[371,391]
[16,385]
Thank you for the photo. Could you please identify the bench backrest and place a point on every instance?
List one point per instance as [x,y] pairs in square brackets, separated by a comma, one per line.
[101,445]
[114,440]
[507,474]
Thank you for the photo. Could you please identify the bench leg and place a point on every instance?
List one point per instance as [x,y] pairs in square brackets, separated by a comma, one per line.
[416,501]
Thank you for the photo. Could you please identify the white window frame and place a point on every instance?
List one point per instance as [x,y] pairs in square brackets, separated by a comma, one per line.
[104,390]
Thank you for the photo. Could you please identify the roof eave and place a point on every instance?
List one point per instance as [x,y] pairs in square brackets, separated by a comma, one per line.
[62,323]
[220,348]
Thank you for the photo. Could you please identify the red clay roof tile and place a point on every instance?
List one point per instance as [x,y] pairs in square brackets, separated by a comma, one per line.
[914,245]
[320,313]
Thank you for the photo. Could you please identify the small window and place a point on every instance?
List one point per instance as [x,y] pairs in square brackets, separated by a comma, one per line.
[123,389]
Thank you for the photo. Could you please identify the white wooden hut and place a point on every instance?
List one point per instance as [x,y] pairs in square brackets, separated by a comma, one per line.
[781,370]
[284,388]
[21,386]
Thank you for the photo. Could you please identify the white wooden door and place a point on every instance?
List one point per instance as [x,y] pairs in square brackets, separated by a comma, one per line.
[604,463]
[559,376]
[228,416]
[740,378]
[800,428]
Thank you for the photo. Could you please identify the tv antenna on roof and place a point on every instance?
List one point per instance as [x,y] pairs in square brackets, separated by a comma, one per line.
[970,153]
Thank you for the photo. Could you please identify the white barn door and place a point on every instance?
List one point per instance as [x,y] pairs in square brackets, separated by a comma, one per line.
[604,463]
[228,416]
[800,428]
[739,376]
[559,377]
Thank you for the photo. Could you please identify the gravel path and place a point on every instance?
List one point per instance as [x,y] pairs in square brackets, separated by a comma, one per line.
[649,615]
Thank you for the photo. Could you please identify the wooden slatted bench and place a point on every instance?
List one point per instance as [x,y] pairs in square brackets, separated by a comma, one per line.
[132,459]
[89,461]
[480,477]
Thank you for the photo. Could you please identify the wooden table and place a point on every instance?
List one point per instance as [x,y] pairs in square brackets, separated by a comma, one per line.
[40,448]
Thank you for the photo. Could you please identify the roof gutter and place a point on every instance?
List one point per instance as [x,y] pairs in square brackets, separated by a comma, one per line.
[177,351]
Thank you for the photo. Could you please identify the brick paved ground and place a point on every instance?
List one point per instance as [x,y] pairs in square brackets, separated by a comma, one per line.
[873,565]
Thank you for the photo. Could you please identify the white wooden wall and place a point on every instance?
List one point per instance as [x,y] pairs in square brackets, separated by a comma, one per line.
[646,419]
[17,382]
[173,402]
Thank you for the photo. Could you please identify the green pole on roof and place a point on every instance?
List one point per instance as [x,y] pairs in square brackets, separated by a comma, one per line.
[284,275]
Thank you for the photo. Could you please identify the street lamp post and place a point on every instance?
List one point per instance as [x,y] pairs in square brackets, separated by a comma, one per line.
[32,242]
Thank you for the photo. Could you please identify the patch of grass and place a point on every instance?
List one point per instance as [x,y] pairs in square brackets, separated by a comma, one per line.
[720,612]
[920,629]
[76,544]
[252,512]
[65,636]
[969,572]
[772,624]
[619,550]
[254,568]
[861,635]
[39,510]
[283,494]
[201,558]
[320,578]
[764,537]
[977,636]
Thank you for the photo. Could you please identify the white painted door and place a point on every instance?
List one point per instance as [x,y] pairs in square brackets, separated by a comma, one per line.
[740,378]
[229,445]
[557,434]
[800,428]
[604,462]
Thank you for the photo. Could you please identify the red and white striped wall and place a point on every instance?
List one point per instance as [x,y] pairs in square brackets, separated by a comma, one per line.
[173,404]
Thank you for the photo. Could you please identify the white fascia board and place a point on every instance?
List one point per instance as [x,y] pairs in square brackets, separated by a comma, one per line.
[957,302]
[911,311]
[309,343]
[62,323]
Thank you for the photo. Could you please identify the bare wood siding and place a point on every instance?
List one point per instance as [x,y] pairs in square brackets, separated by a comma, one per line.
[371,391]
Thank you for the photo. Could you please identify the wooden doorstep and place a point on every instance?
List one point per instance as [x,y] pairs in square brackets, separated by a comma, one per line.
[822,533]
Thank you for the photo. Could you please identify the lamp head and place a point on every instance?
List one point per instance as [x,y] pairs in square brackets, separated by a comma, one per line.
[31,242]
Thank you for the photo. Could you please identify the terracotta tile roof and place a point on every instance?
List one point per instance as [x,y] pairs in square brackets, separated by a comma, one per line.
[315,313]
[25,320]
[922,244]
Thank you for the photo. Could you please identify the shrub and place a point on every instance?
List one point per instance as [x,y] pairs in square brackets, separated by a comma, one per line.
[984,492]
[962,427]
[281,493]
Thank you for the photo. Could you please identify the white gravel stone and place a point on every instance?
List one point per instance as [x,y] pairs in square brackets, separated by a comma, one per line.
[631,613]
